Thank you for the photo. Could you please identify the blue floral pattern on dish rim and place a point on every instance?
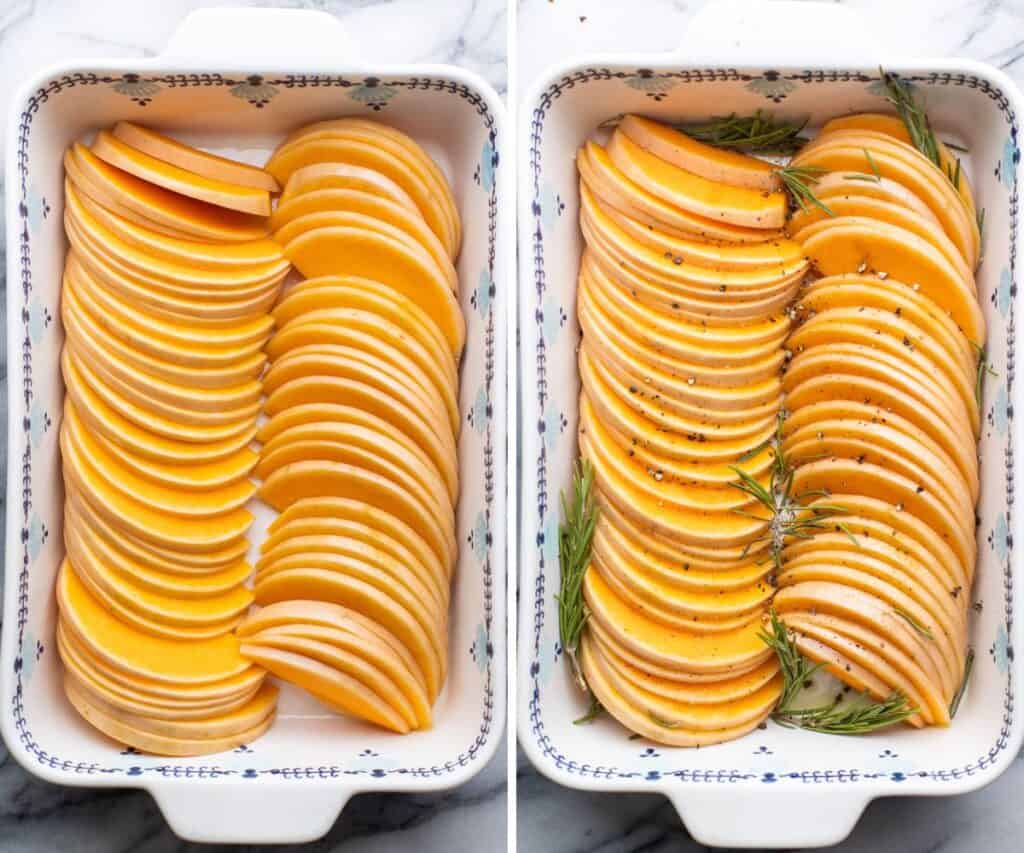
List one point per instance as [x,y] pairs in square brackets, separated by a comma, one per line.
[257,90]
[781,84]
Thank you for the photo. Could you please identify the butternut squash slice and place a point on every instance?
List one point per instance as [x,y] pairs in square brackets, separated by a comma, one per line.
[285,615]
[200,335]
[894,126]
[358,642]
[715,164]
[193,160]
[885,663]
[150,525]
[369,205]
[284,162]
[842,475]
[639,721]
[345,176]
[301,480]
[701,693]
[170,500]
[909,169]
[350,663]
[354,251]
[896,252]
[365,598]
[316,294]
[396,143]
[375,339]
[196,585]
[289,446]
[613,187]
[323,391]
[335,689]
[94,402]
[243,199]
[139,654]
[350,517]
[146,261]
[191,564]
[379,548]
[836,185]
[115,320]
[845,371]
[146,204]
[695,716]
[193,252]
[735,205]
[687,651]
[155,744]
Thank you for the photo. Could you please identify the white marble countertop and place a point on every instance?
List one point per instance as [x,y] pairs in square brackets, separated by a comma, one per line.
[556,820]
[36,817]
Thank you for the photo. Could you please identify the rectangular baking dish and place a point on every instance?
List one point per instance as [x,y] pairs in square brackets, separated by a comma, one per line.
[238,80]
[775,787]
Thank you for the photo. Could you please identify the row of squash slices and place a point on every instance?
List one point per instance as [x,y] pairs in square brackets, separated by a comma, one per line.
[170,298]
[858,329]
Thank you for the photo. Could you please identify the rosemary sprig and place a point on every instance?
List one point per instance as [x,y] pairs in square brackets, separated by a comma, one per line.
[914,117]
[873,165]
[866,715]
[980,217]
[913,623]
[575,534]
[984,367]
[593,712]
[758,132]
[954,706]
[786,515]
[798,181]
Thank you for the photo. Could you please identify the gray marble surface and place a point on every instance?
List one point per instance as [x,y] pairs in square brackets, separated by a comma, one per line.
[36,817]
[551,819]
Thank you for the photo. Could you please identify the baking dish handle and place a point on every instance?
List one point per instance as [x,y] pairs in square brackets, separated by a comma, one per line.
[780,32]
[250,811]
[814,815]
[260,38]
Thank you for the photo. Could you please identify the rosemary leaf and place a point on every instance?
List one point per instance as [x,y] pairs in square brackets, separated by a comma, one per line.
[593,712]
[984,367]
[575,534]
[954,706]
[913,623]
[661,721]
[758,132]
[873,165]
[914,117]
[798,181]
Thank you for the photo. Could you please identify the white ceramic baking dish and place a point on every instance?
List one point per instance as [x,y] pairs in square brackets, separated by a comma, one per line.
[237,80]
[775,787]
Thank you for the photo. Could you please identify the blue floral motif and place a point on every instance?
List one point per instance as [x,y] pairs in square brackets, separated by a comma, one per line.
[549,547]
[255,90]
[999,414]
[999,538]
[140,91]
[1007,166]
[481,650]
[39,320]
[31,651]
[479,411]
[484,293]
[39,423]
[37,209]
[551,207]
[488,165]
[772,85]
[654,87]
[1001,650]
[479,536]
[1003,294]
[38,534]
[552,426]
[373,94]
[554,319]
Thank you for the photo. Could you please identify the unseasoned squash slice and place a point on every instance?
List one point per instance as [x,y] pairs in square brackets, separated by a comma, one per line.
[156,744]
[160,173]
[344,176]
[715,164]
[337,690]
[193,159]
[200,255]
[140,654]
[367,204]
[832,185]
[333,587]
[735,205]
[846,248]
[301,480]
[145,203]
[354,251]
[352,152]
[614,188]
[316,516]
